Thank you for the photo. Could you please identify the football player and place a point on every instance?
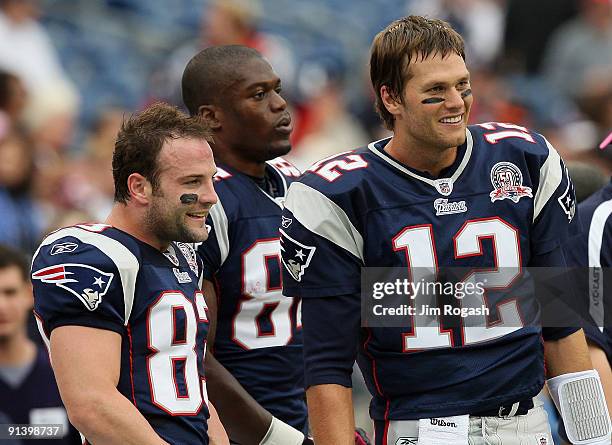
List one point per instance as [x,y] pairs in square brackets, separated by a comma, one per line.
[119,304]
[593,249]
[257,337]
[490,198]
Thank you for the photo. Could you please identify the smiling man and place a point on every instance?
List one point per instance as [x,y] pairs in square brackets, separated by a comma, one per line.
[119,304]
[490,199]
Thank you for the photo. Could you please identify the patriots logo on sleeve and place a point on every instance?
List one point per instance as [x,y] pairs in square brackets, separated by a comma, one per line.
[567,200]
[296,256]
[85,282]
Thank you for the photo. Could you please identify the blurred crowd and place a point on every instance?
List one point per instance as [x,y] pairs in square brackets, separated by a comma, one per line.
[70,71]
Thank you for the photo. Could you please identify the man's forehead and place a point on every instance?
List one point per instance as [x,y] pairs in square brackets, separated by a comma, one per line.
[11,275]
[180,153]
[255,70]
[437,67]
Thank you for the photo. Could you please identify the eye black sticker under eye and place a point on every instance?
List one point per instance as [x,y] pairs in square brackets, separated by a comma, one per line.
[466,93]
[432,100]
[189,198]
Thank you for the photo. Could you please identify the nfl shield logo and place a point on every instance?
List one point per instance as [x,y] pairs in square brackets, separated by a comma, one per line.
[444,186]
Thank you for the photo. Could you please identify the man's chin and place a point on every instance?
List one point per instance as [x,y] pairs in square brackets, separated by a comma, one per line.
[194,236]
[279,148]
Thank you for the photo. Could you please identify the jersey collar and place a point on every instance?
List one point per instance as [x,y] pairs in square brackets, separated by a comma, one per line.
[443,185]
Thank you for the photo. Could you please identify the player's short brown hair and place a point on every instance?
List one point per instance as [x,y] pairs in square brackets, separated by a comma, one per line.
[404,40]
[142,137]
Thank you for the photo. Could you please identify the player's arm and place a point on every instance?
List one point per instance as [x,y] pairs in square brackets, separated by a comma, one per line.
[216,431]
[567,354]
[331,332]
[86,362]
[330,410]
[322,258]
[245,420]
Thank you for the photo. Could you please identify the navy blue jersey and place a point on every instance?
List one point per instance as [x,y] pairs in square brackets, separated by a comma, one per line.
[257,339]
[593,249]
[101,277]
[506,202]
[37,400]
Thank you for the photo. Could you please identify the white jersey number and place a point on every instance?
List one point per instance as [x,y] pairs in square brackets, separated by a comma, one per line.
[168,353]
[260,298]
[419,246]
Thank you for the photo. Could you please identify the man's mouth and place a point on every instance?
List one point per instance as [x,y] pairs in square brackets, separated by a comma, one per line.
[452,119]
[284,125]
[198,215]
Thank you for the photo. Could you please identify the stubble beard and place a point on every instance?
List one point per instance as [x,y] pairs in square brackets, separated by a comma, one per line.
[168,227]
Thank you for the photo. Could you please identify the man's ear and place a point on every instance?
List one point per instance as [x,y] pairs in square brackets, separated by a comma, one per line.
[140,189]
[391,102]
[211,115]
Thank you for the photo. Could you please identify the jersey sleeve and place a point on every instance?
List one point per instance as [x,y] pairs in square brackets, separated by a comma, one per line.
[322,256]
[331,339]
[554,212]
[215,249]
[321,250]
[85,279]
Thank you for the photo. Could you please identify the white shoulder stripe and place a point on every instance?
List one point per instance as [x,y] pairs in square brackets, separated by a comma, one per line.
[596,233]
[219,218]
[322,216]
[126,262]
[550,178]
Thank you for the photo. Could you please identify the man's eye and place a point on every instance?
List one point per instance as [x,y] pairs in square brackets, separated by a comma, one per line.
[259,95]
[436,89]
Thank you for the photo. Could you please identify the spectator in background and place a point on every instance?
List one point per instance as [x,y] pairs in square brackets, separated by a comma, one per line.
[529,26]
[480,21]
[28,393]
[13,96]
[50,116]
[578,61]
[50,119]
[21,222]
[88,185]
[227,22]
[26,49]
[325,125]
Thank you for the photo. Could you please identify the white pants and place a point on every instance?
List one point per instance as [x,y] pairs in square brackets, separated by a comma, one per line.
[529,429]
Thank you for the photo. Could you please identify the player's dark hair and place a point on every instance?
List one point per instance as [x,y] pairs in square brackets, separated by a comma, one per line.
[11,257]
[141,139]
[210,72]
[404,40]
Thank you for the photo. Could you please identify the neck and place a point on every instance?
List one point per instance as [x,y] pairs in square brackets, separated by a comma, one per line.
[229,157]
[17,350]
[421,157]
[123,218]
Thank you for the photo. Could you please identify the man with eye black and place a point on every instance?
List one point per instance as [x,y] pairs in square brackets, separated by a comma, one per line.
[491,199]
